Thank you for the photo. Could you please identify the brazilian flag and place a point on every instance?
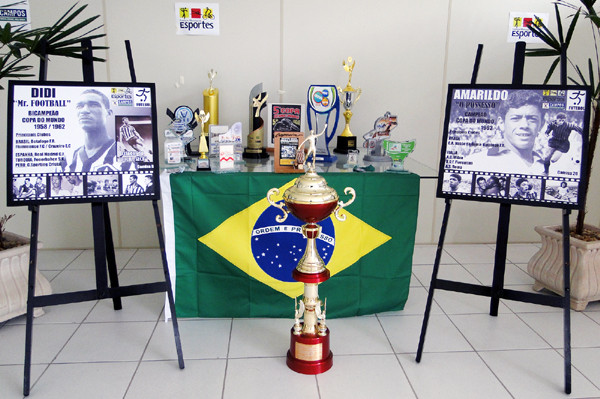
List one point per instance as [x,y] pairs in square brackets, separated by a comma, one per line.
[233,259]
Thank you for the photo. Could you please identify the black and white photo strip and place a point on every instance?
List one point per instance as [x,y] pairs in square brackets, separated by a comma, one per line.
[66,185]
[103,185]
[561,190]
[511,186]
[29,188]
[457,183]
[137,184]
[528,188]
[489,184]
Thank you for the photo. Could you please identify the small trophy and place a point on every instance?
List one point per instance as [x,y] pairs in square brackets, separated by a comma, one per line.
[380,132]
[203,161]
[183,124]
[311,200]
[398,151]
[349,96]
[211,102]
[322,101]
[256,138]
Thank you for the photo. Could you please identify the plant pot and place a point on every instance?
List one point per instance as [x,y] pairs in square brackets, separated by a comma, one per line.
[546,266]
[14,272]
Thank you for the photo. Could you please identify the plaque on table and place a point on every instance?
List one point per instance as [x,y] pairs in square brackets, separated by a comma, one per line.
[375,137]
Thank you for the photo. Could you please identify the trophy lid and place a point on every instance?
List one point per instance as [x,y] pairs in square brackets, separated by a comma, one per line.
[310,188]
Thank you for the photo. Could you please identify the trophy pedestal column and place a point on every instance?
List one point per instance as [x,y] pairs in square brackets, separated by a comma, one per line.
[249,153]
[345,144]
[255,148]
[346,141]
[309,341]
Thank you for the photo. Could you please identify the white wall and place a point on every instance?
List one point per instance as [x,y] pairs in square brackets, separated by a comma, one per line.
[406,53]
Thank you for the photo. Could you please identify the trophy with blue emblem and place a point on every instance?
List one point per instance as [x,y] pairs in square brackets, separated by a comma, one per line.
[323,100]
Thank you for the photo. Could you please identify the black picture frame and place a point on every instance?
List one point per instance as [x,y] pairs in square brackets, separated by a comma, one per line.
[50,121]
[491,152]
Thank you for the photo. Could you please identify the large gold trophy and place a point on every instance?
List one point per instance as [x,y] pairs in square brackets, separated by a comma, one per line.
[346,141]
[311,200]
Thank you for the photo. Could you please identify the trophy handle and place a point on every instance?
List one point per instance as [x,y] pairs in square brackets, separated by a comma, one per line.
[341,204]
[358,93]
[279,218]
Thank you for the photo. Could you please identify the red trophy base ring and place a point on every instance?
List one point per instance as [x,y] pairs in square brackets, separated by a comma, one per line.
[309,354]
[310,278]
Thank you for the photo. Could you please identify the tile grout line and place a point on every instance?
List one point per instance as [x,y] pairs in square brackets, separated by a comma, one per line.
[139,362]
[227,359]
[396,356]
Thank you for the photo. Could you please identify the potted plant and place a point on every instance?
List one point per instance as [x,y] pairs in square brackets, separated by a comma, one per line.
[62,39]
[546,266]
[14,272]
[18,49]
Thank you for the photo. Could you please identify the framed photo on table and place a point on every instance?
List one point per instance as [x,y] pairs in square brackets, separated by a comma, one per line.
[287,157]
[524,144]
[284,118]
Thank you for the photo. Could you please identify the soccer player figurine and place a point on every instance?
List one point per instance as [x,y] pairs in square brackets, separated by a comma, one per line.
[559,141]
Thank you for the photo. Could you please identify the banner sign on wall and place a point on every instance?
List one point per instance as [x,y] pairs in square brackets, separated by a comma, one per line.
[16,13]
[81,142]
[197,18]
[518,145]
[518,23]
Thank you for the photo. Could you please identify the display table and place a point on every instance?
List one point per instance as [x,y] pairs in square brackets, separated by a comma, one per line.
[230,258]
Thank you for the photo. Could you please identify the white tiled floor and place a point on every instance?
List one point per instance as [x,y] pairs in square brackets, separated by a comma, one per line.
[88,350]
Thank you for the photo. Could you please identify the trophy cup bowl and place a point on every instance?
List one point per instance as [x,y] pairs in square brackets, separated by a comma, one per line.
[311,200]
[349,97]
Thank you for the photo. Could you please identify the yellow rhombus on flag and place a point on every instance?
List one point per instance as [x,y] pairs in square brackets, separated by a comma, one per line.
[354,239]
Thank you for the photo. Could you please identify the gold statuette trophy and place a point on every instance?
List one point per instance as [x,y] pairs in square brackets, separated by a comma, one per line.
[311,200]
[211,102]
[203,161]
[346,141]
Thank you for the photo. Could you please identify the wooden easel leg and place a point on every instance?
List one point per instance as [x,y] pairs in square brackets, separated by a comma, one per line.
[432,284]
[113,274]
[567,299]
[30,296]
[500,258]
[99,250]
[169,288]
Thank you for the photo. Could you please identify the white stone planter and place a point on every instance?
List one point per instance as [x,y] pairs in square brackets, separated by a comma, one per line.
[14,271]
[546,266]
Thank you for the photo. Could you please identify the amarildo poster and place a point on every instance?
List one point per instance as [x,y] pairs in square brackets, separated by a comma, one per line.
[81,142]
[512,144]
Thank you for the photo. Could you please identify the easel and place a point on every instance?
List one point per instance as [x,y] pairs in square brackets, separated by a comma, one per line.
[104,251]
[497,290]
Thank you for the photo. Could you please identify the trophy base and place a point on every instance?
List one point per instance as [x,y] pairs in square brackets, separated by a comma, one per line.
[325,158]
[255,154]
[309,354]
[345,144]
[311,278]
[203,164]
[377,158]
